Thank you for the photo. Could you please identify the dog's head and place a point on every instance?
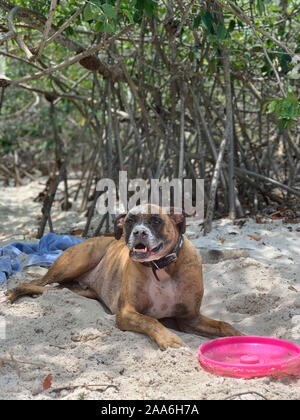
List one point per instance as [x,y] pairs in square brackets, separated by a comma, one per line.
[150,234]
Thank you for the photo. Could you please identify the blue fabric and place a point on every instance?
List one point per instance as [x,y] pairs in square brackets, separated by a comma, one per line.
[43,253]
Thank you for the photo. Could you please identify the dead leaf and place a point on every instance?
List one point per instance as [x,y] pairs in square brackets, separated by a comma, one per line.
[1,234]
[222,240]
[77,232]
[47,382]
[292,288]
[258,219]
[298,229]
[32,235]
[276,216]
[256,238]
[232,233]
[239,223]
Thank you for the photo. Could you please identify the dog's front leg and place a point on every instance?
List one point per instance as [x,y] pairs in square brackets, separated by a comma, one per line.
[128,319]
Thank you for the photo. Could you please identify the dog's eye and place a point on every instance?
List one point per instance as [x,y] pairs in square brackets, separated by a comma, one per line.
[130,221]
[155,221]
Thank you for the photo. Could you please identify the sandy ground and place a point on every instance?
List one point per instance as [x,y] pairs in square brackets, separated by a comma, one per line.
[78,343]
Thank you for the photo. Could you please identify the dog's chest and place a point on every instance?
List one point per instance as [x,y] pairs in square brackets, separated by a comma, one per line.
[162,295]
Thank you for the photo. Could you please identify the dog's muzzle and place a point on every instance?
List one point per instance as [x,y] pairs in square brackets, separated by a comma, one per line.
[142,243]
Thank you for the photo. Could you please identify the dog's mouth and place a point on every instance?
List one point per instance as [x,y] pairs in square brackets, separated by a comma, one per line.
[142,251]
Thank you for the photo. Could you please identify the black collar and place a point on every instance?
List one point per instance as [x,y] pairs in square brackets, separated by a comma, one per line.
[167,260]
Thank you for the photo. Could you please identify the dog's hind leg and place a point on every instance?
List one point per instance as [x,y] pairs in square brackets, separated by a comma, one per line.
[71,264]
[32,288]
[25,289]
[76,261]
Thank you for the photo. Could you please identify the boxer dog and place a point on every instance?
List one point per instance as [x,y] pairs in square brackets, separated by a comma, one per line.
[148,272]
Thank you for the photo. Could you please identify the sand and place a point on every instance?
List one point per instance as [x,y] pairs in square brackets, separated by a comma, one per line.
[256,289]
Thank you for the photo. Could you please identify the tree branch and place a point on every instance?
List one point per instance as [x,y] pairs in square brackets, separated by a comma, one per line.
[47,28]
[12,28]
[64,26]
[9,34]
[70,60]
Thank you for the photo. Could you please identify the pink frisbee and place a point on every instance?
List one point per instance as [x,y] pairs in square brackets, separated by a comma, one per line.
[250,357]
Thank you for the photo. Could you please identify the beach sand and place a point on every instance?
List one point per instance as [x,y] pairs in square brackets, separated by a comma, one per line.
[88,357]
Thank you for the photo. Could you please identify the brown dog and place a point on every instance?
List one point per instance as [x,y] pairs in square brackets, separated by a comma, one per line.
[153,272]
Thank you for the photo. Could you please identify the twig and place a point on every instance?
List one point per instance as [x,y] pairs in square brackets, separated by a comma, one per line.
[47,28]
[245,393]
[99,227]
[181,140]
[267,179]
[34,101]
[17,361]
[64,26]
[86,386]
[136,131]
[237,11]
[62,170]
[71,59]
[184,17]
[9,34]
[229,128]
[13,29]
[214,185]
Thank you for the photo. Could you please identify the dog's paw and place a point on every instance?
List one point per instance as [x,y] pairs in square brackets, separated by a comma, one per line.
[227,330]
[170,340]
[3,297]
[9,296]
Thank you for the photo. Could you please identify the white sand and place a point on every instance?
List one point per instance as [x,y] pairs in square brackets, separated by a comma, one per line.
[79,343]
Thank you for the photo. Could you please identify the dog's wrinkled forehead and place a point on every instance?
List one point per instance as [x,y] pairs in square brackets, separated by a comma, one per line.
[150,215]
[145,209]
[143,215]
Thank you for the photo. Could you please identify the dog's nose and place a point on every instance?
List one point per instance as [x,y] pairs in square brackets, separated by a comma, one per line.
[140,233]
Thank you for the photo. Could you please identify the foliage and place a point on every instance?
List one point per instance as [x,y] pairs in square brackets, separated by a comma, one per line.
[169,52]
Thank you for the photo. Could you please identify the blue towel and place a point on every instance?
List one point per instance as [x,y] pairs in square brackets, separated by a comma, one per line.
[43,253]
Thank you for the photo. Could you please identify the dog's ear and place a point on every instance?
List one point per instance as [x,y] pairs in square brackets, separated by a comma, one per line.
[179,217]
[118,225]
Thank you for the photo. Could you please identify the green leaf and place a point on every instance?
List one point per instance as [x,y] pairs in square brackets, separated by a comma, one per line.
[137,17]
[109,28]
[128,15]
[88,13]
[260,6]
[101,18]
[287,109]
[99,27]
[231,25]
[208,20]
[69,31]
[283,123]
[271,106]
[109,10]
[149,6]
[284,60]
[221,31]
[197,21]
[191,56]
[291,97]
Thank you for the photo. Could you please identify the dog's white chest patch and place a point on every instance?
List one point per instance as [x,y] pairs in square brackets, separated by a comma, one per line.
[162,295]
